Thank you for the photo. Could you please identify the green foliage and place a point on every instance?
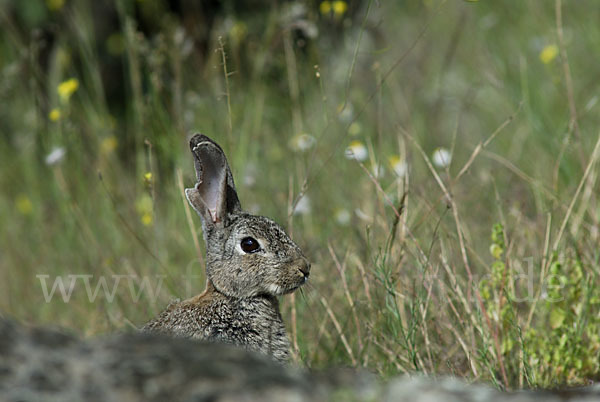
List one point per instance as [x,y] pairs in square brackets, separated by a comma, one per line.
[570,351]
[560,342]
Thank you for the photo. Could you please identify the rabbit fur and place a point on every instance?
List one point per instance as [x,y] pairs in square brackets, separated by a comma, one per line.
[239,305]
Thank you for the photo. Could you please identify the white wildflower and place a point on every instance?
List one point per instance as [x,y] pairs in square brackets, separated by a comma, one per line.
[342,216]
[398,165]
[378,171]
[302,142]
[55,156]
[441,157]
[357,150]
[250,173]
[363,216]
[303,206]
[347,113]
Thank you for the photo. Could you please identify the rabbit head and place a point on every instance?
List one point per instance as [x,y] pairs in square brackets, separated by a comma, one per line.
[247,255]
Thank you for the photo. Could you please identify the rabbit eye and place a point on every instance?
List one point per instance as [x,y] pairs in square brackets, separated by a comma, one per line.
[250,245]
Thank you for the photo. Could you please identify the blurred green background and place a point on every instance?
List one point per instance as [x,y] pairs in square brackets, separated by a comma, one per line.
[436,160]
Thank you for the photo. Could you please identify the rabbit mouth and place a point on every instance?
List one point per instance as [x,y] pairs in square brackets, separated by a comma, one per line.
[278,290]
[292,274]
[301,282]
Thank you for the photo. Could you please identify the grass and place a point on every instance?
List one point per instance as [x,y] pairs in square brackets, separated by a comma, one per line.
[486,268]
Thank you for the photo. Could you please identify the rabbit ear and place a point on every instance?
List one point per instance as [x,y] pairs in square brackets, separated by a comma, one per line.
[214,195]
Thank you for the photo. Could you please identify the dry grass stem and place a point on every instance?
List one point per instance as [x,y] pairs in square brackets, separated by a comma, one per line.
[341,269]
[338,328]
[593,159]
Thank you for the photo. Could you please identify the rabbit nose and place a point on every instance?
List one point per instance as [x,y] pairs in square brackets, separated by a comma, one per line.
[305,268]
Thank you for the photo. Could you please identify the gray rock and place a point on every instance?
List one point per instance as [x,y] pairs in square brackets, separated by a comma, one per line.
[40,364]
[47,365]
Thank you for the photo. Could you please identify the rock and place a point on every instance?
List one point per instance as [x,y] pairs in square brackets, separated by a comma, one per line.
[47,365]
[40,364]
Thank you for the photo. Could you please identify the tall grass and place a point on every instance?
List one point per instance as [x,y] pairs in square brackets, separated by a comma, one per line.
[484,267]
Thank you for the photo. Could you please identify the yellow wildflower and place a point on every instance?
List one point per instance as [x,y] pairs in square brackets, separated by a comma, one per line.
[146,219]
[67,88]
[24,205]
[325,7]
[548,53]
[54,114]
[355,129]
[144,206]
[108,145]
[339,7]
[148,180]
[55,5]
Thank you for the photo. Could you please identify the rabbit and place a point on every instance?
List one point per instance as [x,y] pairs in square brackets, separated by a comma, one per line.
[250,260]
